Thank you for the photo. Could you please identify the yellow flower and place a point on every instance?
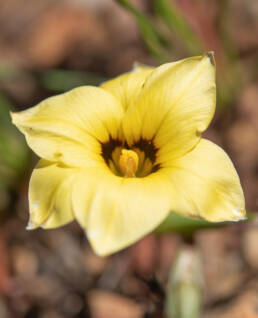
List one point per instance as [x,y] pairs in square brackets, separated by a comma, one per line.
[119,157]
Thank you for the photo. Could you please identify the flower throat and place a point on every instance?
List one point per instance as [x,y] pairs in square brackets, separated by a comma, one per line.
[137,160]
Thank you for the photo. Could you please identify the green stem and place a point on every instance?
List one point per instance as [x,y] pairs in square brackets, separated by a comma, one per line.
[155,42]
[184,295]
[175,21]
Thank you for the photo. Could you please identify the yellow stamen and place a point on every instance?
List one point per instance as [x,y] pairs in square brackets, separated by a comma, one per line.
[128,162]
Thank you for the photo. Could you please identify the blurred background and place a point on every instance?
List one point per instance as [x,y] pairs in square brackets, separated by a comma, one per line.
[196,270]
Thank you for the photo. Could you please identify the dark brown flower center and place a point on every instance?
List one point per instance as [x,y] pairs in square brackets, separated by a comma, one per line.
[145,149]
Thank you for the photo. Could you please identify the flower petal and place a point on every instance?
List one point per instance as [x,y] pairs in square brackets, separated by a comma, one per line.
[175,106]
[206,185]
[50,192]
[68,128]
[116,211]
[127,87]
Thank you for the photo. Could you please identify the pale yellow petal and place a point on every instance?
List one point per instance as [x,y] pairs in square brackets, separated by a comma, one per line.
[116,211]
[127,87]
[50,192]
[176,104]
[206,185]
[68,128]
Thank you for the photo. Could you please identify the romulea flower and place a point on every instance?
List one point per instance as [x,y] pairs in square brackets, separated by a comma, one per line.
[120,157]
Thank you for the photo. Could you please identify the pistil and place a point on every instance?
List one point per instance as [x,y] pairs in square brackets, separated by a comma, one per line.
[128,162]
